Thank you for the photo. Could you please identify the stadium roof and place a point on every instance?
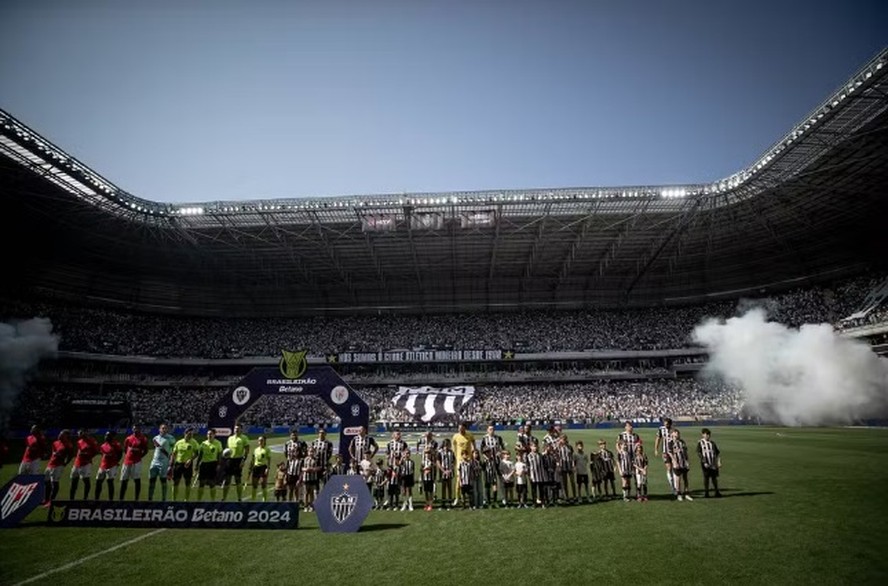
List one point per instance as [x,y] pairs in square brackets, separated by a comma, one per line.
[812,207]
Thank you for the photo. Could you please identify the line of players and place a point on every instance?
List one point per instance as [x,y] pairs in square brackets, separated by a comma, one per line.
[556,472]
[472,475]
[172,460]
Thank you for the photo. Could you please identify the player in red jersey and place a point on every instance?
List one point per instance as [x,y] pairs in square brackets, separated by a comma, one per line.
[61,454]
[35,450]
[135,446]
[87,448]
[111,452]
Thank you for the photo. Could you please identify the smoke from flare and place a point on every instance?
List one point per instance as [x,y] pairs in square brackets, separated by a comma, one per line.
[808,376]
[22,345]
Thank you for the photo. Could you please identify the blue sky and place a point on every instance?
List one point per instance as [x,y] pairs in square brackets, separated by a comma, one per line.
[198,101]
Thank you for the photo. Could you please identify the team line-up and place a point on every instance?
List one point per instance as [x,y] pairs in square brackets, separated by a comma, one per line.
[471,473]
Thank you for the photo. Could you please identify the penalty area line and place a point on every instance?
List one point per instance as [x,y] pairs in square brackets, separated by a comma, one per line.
[70,565]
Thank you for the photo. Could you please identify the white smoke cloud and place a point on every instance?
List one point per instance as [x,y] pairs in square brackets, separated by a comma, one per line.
[22,345]
[809,376]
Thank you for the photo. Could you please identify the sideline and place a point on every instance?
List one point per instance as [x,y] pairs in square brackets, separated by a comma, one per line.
[89,557]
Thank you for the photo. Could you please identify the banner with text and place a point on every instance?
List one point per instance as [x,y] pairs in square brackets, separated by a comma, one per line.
[421,356]
[174,515]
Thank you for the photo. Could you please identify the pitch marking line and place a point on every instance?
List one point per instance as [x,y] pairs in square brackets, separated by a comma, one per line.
[89,557]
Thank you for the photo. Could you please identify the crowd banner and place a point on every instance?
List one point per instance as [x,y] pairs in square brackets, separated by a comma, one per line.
[343,504]
[433,404]
[19,497]
[294,376]
[174,515]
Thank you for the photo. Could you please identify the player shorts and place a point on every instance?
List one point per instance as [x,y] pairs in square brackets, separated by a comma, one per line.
[82,471]
[158,470]
[234,468]
[106,473]
[54,474]
[609,475]
[259,472]
[428,486]
[280,493]
[508,485]
[32,467]
[207,473]
[292,480]
[407,481]
[582,480]
[181,471]
[680,470]
[710,472]
[133,471]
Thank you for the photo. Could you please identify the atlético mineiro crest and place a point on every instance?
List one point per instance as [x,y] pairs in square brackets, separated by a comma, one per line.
[19,497]
[343,505]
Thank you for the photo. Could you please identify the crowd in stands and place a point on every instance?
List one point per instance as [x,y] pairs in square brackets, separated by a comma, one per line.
[657,328]
[588,402]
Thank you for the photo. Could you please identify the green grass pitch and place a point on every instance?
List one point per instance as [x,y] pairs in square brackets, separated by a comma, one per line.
[802,506]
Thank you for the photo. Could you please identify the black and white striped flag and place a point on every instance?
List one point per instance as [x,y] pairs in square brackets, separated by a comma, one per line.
[430,403]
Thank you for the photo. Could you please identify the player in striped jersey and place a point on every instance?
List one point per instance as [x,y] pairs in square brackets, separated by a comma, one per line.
[564,454]
[553,477]
[552,435]
[477,480]
[294,451]
[446,461]
[428,469]
[641,471]
[605,462]
[680,466]
[630,438]
[581,465]
[710,460]
[537,474]
[625,464]
[362,443]
[393,477]
[407,477]
[380,482]
[310,471]
[524,440]
[395,448]
[426,442]
[323,449]
[465,480]
[663,445]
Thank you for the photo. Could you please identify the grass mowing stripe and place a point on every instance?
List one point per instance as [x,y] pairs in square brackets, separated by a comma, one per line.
[70,565]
